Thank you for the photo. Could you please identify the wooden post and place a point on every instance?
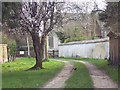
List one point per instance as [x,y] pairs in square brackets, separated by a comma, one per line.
[5,53]
[1,53]
[119,51]
[53,53]
[28,46]
[57,53]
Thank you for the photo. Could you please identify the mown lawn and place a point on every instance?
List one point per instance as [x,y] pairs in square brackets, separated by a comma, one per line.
[111,71]
[15,76]
[80,77]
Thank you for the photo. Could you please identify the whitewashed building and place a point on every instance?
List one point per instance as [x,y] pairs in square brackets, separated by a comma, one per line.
[53,41]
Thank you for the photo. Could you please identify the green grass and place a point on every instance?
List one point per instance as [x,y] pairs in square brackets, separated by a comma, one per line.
[80,77]
[15,76]
[111,71]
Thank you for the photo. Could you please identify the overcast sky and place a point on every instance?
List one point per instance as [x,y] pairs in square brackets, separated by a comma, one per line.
[87,5]
[101,3]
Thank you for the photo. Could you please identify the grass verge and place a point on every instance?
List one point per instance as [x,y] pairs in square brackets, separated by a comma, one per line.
[80,77]
[15,76]
[111,71]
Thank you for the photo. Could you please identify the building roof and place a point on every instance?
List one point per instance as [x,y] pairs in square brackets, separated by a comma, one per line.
[112,34]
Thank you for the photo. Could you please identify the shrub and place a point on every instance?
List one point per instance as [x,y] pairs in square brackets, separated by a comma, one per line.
[11,51]
[67,40]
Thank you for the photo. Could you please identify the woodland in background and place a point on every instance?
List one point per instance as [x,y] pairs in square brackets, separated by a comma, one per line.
[110,19]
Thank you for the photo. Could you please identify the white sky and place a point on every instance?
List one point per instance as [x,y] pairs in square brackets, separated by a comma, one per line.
[56,0]
[86,5]
[101,3]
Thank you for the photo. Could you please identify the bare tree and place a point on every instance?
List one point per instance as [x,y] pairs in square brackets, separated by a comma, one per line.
[39,18]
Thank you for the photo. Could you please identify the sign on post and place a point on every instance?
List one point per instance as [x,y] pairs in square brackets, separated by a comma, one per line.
[21,52]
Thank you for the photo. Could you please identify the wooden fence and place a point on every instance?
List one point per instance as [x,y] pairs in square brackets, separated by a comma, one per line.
[24,54]
[114,49]
[51,53]
[3,53]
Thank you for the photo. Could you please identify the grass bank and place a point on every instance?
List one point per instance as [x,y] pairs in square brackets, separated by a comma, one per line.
[80,77]
[15,76]
[111,71]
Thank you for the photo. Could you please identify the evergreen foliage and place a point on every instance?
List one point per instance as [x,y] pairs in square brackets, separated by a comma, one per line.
[10,13]
[111,16]
[11,51]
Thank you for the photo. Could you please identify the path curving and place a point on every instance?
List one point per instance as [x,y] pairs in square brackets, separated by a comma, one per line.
[99,78]
[59,80]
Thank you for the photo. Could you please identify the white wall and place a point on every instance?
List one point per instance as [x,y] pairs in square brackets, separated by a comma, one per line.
[85,49]
[56,42]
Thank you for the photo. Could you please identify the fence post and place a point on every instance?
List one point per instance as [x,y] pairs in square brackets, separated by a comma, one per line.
[57,53]
[53,53]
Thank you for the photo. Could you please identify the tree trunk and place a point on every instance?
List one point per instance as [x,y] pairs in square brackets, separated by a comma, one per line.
[38,48]
[92,35]
[46,48]
[28,46]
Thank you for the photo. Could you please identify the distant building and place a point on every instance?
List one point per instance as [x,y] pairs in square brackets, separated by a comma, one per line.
[53,41]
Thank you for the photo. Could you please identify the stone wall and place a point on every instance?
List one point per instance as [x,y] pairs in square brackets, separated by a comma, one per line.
[98,49]
[3,53]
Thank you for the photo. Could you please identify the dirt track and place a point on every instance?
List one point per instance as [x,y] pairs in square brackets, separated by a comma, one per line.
[99,78]
[59,80]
